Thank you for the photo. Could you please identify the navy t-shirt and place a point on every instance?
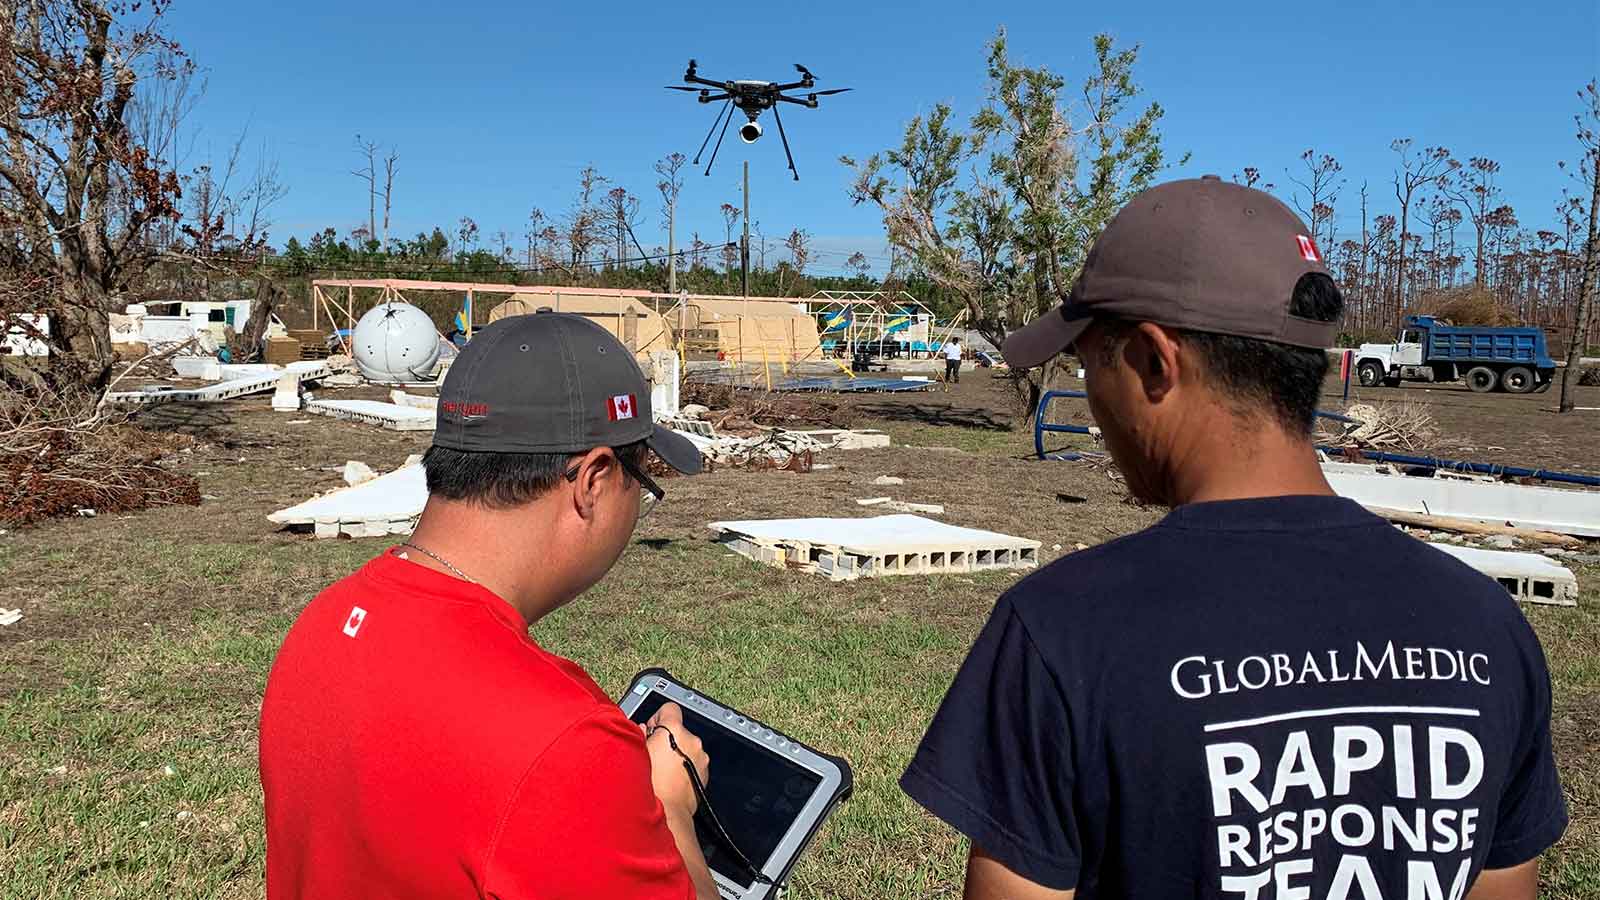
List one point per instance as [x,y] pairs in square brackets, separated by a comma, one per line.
[1282,697]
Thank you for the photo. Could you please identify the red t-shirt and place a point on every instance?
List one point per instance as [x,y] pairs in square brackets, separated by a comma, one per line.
[416,742]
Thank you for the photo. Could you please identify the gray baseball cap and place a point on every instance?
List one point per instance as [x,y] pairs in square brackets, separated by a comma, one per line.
[551,383]
[1201,254]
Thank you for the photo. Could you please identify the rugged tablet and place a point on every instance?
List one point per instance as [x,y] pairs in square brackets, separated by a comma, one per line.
[769,792]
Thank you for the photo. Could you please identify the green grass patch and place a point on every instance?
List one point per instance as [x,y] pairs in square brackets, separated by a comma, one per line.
[128,752]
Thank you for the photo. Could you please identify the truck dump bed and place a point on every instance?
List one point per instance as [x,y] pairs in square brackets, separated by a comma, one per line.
[1464,344]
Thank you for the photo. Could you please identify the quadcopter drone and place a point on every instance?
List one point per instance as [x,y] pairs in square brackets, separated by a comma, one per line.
[752,98]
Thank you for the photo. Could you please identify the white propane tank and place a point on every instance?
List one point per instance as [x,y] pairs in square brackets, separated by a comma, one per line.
[395,341]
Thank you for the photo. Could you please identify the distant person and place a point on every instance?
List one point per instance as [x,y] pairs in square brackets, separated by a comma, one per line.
[415,740]
[1271,692]
[952,360]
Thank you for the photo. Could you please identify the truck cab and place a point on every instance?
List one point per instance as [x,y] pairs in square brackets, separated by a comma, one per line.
[1389,364]
[1487,358]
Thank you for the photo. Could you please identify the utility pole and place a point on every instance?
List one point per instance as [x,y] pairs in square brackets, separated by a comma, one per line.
[744,244]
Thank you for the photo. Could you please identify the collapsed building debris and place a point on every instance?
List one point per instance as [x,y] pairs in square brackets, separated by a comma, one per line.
[1528,577]
[1406,425]
[385,505]
[847,549]
[902,506]
[1519,506]
[376,412]
[777,449]
[227,389]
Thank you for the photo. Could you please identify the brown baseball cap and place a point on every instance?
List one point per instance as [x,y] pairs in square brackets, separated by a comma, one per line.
[1201,254]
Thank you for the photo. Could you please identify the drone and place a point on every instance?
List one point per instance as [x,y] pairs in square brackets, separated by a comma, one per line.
[751,98]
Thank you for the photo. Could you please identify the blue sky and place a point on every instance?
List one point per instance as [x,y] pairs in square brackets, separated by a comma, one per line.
[495,106]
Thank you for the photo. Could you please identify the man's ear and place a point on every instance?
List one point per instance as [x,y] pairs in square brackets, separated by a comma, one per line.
[1152,352]
[594,470]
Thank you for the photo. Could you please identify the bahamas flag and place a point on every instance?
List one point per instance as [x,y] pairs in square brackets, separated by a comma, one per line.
[897,323]
[461,317]
[838,321]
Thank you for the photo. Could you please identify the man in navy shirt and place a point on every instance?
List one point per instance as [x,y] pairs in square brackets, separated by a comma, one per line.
[1271,693]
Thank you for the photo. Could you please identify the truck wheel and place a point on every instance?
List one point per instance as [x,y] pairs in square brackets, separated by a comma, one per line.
[1517,380]
[1369,373]
[1482,379]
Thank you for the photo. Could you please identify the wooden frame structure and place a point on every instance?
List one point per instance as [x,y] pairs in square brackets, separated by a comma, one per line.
[325,301]
[335,299]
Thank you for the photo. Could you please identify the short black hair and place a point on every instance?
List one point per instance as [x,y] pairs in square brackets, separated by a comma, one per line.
[503,480]
[1286,380]
[1257,376]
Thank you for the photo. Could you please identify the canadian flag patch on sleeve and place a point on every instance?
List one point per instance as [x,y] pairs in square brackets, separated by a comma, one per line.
[620,407]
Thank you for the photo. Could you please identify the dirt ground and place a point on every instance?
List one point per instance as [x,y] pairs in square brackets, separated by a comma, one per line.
[1507,429]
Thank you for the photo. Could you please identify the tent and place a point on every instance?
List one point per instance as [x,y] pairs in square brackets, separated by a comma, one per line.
[750,331]
[640,328]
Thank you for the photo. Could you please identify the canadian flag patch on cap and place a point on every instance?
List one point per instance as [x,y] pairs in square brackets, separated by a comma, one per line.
[1308,250]
[620,407]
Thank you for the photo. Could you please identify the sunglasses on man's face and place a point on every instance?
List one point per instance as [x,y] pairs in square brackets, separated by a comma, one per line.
[650,493]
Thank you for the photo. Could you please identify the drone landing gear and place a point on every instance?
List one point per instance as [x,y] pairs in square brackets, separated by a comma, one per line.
[725,111]
[779,117]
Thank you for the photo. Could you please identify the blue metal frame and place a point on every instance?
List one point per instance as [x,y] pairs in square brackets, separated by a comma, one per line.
[1040,426]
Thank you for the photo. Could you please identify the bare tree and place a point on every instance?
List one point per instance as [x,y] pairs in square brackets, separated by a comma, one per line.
[730,221]
[1417,172]
[536,225]
[369,152]
[389,170]
[670,168]
[583,218]
[799,244]
[857,264]
[1588,122]
[623,209]
[82,190]
[1321,186]
[1474,189]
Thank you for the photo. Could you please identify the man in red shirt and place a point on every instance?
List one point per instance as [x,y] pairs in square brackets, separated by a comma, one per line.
[415,740]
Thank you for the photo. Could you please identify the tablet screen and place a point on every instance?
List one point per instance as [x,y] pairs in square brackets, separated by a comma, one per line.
[756,792]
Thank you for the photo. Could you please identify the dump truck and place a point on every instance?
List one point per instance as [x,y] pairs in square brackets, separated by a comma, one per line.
[1514,360]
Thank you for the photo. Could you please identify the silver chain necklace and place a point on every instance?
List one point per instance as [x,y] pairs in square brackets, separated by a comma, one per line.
[441,561]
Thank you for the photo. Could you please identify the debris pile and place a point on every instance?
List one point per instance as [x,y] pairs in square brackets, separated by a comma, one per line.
[790,451]
[745,412]
[1589,376]
[1406,425]
[61,454]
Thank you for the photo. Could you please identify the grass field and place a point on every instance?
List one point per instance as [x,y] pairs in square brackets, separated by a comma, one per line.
[130,690]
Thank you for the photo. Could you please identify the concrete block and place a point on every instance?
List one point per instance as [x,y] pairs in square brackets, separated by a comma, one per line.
[376,412]
[1529,577]
[845,549]
[287,396]
[374,508]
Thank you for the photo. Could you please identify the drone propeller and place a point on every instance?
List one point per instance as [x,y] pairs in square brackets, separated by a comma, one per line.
[829,91]
[679,87]
[804,72]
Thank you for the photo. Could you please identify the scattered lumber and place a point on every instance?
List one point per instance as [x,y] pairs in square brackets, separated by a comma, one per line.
[1468,526]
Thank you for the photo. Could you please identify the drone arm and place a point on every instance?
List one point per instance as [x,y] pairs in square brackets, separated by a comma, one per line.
[794,85]
[712,98]
[696,79]
[798,102]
